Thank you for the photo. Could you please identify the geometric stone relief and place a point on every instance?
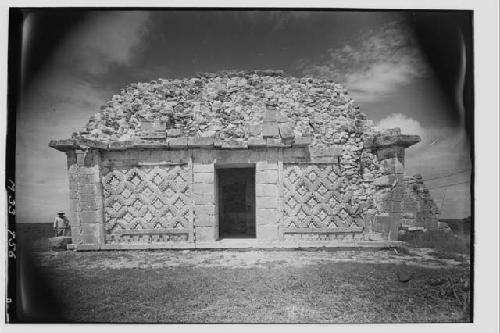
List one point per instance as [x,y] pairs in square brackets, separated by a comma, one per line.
[313,199]
[144,203]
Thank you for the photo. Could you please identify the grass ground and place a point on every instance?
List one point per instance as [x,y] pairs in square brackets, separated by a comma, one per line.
[256,286]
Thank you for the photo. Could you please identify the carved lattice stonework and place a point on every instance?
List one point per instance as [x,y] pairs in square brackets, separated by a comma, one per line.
[313,198]
[154,198]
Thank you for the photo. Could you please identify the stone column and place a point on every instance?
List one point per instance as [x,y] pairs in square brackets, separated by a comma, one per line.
[390,149]
[204,195]
[86,198]
[266,197]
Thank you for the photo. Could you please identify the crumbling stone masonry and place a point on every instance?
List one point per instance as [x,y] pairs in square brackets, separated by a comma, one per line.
[297,162]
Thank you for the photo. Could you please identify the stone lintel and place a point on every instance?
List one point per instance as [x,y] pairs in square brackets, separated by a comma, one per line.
[387,140]
[65,145]
[62,145]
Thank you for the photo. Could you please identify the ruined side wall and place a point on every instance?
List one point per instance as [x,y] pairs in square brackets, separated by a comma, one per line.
[420,210]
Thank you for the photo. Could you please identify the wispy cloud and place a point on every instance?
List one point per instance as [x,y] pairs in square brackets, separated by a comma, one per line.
[107,38]
[375,64]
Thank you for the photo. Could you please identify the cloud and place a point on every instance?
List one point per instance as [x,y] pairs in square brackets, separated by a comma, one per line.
[375,64]
[107,38]
[62,98]
[407,124]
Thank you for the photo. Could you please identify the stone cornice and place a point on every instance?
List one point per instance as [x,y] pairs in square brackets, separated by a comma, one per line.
[65,145]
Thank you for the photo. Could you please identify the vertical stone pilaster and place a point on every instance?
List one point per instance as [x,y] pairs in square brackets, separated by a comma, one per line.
[267,214]
[204,198]
[280,196]
[87,212]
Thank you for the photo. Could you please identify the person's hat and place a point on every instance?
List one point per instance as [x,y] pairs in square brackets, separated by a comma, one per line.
[60,212]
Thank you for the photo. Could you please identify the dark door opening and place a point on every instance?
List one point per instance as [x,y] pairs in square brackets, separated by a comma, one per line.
[236,202]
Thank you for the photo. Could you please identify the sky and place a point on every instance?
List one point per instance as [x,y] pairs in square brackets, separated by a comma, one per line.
[407,70]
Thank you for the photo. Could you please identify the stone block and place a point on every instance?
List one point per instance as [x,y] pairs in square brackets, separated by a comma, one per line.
[205,221]
[74,193]
[203,198]
[270,130]
[256,142]
[206,234]
[90,205]
[234,144]
[264,165]
[74,205]
[91,179]
[120,145]
[302,141]
[286,131]
[153,126]
[91,216]
[326,152]
[266,202]
[267,232]
[386,153]
[200,210]
[177,143]
[197,167]
[89,189]
[266,216]
[266,190]
[203,177]
[254,130]
[266,177]
[173,133]
[271,115]
[203,188]
[200,142]
[89,239]
[273,142]
[91,229]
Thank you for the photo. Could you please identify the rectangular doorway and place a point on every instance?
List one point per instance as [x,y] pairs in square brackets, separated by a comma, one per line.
[236,201]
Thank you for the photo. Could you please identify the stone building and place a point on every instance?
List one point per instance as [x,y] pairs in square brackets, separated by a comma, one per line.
[256,156]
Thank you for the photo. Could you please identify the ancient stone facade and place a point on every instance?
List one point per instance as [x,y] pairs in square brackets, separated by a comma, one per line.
[161,167]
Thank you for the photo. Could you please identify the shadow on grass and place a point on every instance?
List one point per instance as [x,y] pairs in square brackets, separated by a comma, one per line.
[439,240]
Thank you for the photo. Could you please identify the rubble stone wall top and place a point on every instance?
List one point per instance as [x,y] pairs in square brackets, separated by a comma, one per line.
[231,105]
